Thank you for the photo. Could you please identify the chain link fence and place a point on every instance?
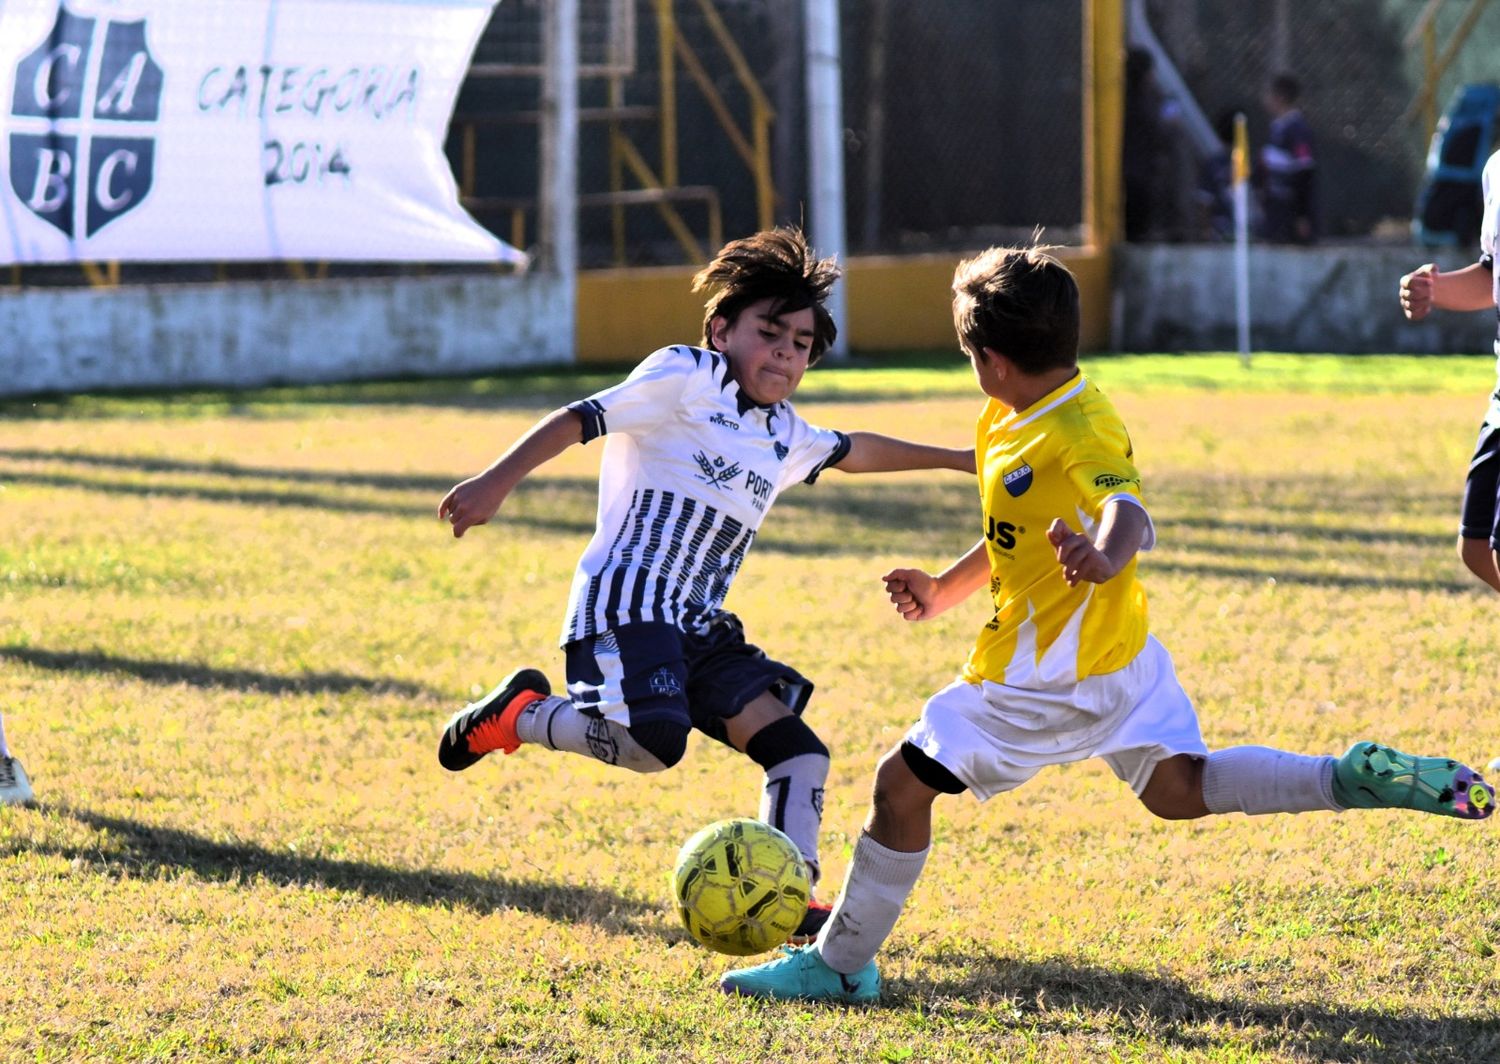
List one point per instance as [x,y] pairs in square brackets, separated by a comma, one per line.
[963,120]
[1358,82]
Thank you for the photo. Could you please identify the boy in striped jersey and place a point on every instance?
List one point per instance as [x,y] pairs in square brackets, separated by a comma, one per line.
[1067,668]
[1475,287]
[700,442]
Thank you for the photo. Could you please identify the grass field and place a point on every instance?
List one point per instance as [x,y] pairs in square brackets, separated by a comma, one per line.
[230,627]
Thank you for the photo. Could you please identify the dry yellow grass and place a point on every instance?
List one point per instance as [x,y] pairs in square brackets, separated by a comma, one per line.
[228,641]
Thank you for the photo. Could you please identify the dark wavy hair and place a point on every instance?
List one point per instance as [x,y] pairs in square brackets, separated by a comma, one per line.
[1020,302]
[773,264]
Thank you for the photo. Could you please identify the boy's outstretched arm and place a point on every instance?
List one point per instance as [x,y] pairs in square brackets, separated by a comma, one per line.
[1122,527]
[920,596]
[1427,289]
[870,452]
[474,501]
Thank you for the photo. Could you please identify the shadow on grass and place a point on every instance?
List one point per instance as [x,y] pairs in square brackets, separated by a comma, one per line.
[293,499]
[144,464]
[204,676]
[522,388]
[1372,581]
[147,851]
[850,515]
[1162,1010]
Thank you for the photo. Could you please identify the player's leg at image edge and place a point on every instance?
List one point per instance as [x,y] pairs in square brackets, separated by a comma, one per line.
[15,788]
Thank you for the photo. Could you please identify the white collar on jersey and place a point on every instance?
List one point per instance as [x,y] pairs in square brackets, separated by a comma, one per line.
[1034,414]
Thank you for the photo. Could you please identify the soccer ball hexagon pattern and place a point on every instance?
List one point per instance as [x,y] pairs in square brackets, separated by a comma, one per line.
[741,886]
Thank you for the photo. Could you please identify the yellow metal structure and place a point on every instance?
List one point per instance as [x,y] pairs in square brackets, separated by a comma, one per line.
[106,276]
[754,149]
[895,302]
[1103,121]
[1435,64]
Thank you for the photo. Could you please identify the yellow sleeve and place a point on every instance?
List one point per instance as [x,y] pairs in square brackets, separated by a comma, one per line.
[1099,468]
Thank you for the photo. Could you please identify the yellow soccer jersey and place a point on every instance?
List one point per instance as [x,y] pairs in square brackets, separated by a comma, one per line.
[1065,456]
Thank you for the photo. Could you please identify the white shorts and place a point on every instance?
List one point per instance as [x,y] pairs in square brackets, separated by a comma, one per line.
[994,737]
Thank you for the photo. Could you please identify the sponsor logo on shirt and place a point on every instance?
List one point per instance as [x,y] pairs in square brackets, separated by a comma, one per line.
[718,470]
[1002,534]
[1017,480]
[720,419]
[1112,480]
[759,488]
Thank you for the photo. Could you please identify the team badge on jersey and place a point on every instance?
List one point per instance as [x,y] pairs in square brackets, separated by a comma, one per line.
[664,682]
[781,450]
[1017,480]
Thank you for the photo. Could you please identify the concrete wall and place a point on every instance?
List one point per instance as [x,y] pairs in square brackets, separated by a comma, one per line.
[244,334]
[1327,298]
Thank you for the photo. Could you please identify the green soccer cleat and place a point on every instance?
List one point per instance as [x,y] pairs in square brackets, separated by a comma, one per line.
[1372,776]
[801,975]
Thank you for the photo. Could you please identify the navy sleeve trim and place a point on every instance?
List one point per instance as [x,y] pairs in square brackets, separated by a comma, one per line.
[593,418]
[835,456]
[1487,261]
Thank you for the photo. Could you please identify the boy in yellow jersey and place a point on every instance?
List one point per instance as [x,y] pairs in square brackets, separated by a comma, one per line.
[1067,668]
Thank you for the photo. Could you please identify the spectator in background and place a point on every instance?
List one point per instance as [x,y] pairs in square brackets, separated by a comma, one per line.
[1288,171]
[1215,189]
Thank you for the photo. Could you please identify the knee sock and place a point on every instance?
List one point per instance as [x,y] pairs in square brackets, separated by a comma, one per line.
[556,723]
[875,890]
[4,750]
[796,764]
[1257,779]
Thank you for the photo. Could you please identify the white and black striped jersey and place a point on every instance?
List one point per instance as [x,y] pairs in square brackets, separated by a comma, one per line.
[691,466]
[1491,184]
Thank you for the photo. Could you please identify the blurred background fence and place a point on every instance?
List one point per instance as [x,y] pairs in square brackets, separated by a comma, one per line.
[963,119]
[962,122]
[1362,66]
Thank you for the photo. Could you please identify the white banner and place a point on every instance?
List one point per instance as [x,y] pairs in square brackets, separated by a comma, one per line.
[212,130]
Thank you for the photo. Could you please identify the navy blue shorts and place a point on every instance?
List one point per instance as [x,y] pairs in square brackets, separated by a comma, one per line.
[657,672]
[1481,513]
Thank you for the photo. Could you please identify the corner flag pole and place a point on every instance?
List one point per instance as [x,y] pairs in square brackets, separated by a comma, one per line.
[1240,183]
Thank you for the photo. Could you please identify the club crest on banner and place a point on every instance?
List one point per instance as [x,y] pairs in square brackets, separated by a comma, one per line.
[80,151]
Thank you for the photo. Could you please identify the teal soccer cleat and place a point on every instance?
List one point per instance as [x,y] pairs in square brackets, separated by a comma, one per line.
[801,975]
[1372,776]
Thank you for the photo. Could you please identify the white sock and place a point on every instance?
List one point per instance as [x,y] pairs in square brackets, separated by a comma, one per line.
[793,802]
[875,890]
[556,723]
[1257,779]
[4,750]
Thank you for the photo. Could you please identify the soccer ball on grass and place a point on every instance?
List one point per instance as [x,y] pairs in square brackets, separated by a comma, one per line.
[741,887]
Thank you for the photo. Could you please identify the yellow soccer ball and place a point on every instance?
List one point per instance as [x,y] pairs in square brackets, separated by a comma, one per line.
[741,887]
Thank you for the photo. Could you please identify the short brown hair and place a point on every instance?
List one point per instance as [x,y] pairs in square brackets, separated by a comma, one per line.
[1020,302]
[773,264]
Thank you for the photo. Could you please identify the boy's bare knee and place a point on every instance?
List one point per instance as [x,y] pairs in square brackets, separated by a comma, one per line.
[1175,791]
[898,792]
